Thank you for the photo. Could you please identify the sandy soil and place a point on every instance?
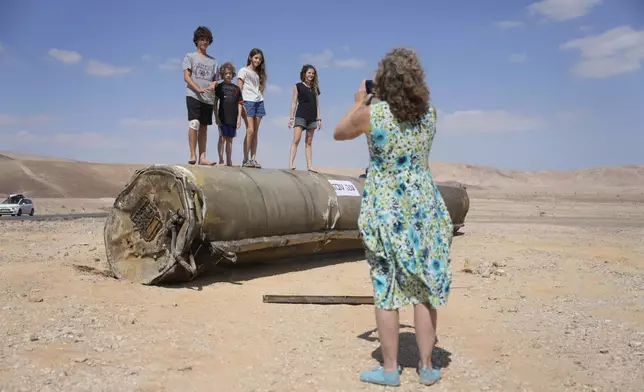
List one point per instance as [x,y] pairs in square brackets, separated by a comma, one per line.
[548,296]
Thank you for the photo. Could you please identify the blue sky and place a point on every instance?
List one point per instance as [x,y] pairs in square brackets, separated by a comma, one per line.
[527,85]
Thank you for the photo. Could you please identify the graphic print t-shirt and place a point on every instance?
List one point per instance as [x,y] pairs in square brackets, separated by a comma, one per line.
[204,72]
[229,95]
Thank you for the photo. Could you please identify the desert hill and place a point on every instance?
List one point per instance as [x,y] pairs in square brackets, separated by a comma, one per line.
[56,177]
[51,177]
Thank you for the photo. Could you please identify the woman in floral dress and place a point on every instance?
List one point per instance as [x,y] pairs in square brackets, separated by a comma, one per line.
[405,225]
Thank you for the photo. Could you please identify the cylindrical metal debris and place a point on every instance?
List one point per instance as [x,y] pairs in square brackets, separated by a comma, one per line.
[171,221]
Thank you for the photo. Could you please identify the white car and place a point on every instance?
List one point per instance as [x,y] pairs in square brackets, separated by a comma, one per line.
[16,205]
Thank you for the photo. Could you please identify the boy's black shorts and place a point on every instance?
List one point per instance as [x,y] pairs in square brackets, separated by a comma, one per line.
[198,110]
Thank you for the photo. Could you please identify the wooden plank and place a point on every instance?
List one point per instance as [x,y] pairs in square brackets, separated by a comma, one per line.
[319,299]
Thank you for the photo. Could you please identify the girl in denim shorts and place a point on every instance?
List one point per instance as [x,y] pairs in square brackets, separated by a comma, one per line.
[252,82]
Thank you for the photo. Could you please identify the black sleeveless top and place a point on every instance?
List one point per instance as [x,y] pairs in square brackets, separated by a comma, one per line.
[307,102]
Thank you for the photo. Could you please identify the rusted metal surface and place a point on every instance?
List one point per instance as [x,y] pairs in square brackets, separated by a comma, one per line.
[171,222]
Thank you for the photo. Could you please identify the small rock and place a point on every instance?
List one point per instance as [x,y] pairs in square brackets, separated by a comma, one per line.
[603,351]
[36,299]
[33,337]
[467,267]
[635,344]
[184,368]
[500,272]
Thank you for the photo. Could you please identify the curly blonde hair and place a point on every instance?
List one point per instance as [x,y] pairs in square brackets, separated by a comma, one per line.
[400,81]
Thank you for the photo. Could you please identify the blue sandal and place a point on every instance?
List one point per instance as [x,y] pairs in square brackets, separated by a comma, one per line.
[429,376]
[380,377]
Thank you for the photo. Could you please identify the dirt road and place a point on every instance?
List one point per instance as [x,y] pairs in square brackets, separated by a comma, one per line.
[547,297]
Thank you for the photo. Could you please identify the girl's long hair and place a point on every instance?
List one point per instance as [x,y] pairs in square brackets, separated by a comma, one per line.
[261,70]
[316,85]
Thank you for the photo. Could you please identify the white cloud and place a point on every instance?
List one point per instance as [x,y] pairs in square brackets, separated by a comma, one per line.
[153,123]
[561,10]
[571,118]
[171,64]
[146,57]
[614,52]
[68,139]
[273,88]
[86,140]
[65,56]
[469,121]
[508,24]
[518,58]
[279,122]
[327,59]
[22,121]
[349,63]
[98,68]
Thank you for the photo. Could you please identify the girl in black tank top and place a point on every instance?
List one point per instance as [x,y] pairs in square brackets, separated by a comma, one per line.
[307,115]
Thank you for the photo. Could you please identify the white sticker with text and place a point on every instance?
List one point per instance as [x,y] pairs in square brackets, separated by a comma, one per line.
[344,188]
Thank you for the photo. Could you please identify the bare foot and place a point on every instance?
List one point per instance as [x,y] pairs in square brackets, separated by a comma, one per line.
[205,162]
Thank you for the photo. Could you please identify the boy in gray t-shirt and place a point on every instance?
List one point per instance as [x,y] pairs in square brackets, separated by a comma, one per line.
[200,74]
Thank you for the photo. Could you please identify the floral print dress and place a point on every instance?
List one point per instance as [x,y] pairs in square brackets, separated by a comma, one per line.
[405,225]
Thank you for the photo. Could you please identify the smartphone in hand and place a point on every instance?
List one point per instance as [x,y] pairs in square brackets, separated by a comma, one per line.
[368,84]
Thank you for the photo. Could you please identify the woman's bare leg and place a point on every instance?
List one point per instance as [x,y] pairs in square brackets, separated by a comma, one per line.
[425,318]
[309,149]
[297,135]
[388,331]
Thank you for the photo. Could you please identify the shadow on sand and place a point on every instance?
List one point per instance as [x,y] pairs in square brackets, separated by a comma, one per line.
[408,350]
[238,274]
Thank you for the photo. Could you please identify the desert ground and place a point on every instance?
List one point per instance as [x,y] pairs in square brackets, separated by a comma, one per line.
[548,295]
